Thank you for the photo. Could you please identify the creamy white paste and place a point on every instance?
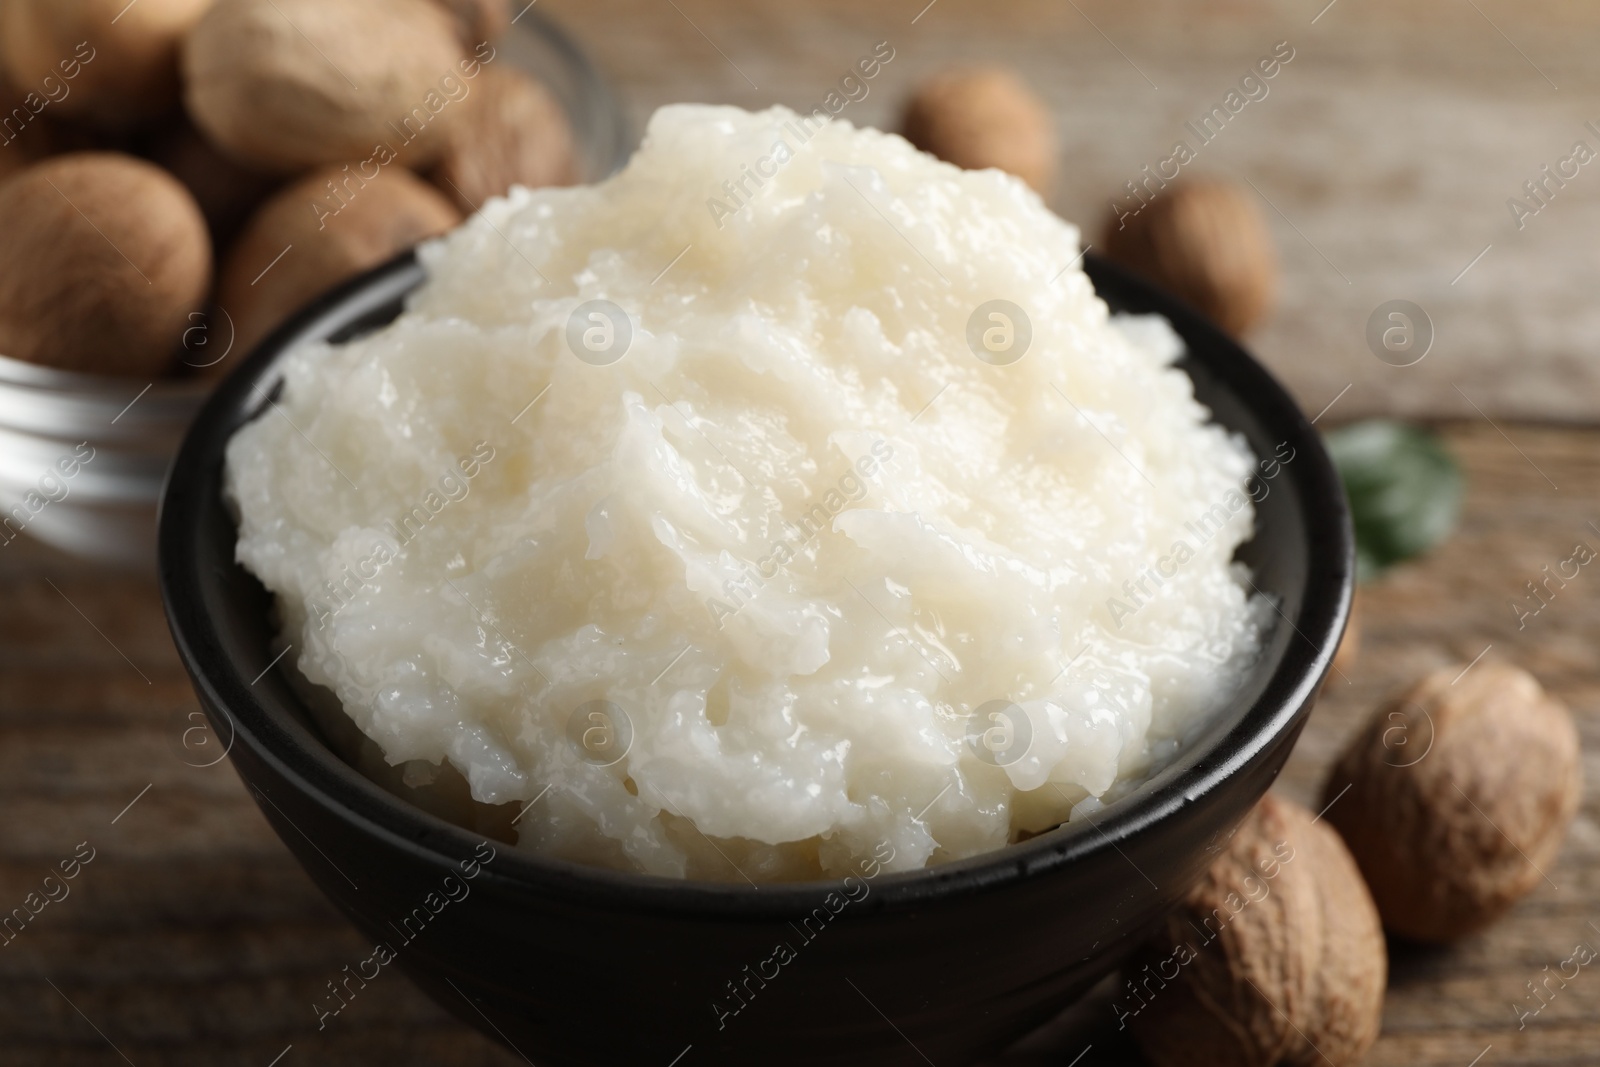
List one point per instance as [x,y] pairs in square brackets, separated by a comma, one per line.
[792,548]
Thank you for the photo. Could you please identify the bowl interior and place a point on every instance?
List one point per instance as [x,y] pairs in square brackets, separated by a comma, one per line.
[223,622]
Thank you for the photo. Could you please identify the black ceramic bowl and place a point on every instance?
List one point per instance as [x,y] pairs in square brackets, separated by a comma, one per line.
[576,966]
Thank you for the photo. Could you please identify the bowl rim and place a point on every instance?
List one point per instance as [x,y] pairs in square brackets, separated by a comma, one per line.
[316,770]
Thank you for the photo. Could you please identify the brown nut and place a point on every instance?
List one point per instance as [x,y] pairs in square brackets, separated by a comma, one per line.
[479,20]
[510,131]
[105,259]
[107,61]
[291,84]
[1207,243]
[985,117]
[1456,796]
[1275,957]
[324,229]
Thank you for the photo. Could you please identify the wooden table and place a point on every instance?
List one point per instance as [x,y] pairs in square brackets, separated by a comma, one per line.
[193,938]
[1383,159]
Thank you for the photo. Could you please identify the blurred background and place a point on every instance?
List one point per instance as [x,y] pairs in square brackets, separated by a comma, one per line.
[1386,162]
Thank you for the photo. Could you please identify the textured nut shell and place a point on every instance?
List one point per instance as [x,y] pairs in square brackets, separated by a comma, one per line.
[510,131]
[1498,750]
[1206,242]
[290,84]
[985,117]
[388,215]
[479,20]
[105,257]
[1296,975]
[133,74]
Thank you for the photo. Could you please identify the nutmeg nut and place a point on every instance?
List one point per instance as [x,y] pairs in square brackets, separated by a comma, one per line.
[1207,243]
[107,61]
[1275,957]
[322,230]
[105,258]
[291,84]
[980,117]
[1456,796]
[510,131]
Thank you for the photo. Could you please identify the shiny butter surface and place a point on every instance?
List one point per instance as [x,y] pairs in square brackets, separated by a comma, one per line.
[713,509]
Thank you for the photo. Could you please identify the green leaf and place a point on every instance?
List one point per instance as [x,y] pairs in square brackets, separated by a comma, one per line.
[1405,490]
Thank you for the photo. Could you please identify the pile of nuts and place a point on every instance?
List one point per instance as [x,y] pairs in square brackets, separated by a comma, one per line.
[1439,816]
[170,159]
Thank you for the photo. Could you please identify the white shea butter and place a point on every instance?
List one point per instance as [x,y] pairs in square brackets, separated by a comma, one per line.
[757,569]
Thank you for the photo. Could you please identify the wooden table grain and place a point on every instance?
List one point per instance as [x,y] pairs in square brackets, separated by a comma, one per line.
[193,938]
[1383,158]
